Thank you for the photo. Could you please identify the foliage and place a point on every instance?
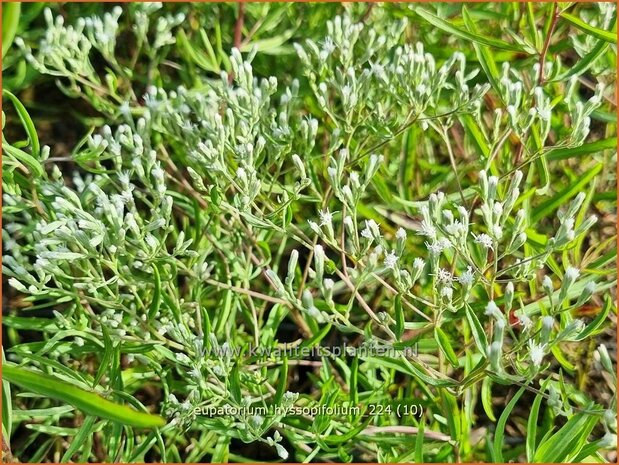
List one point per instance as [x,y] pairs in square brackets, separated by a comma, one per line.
[420,185]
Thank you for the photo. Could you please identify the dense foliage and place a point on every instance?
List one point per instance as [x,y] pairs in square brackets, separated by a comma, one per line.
[309,232]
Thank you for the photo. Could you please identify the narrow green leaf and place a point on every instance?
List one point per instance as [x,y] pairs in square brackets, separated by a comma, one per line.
[544,175]
[568,441]
[448,27]
[545,209]
[80,438]
[585,149]
[7,405]
[107,356]
[443,342]
[10,21]
[479,335]
[156,302]
[484,55]
[89,402]
[591,328]
[354,375]
[609,37]
[399,317]
[500,427]
[220,455]
[486,397]
[33,165]
[419,442]
[282,382]
[26,121]
[235,384]
[532,427]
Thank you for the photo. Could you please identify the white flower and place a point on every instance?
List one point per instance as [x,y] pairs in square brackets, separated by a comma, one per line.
[444,243]
[548,322]
[536,352]
[484,240]
[371,230]
[493,310]
[467,277]
[444,277]
[400,234]
[436,247]
[326,217]
[456,228]
[525,321]
[572,274]
[391,259]
[498,208]
[427,229]
[418,263]
[447,292]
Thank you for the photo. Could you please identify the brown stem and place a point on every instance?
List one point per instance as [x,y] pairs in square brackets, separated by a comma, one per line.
[542,57]
[238,34]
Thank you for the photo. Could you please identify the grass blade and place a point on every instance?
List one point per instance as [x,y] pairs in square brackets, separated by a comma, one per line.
[89,402]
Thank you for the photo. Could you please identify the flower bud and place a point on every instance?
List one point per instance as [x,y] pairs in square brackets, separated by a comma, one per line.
[319,261]
[604,359]
[509,296]
[292,266]
[586,294]
[569,278]
[547,325]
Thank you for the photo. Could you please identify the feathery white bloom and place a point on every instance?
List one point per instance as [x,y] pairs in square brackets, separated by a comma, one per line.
[400,234]
[326,217]
[427,229]
[418,263]
[536,352]
[525,321]
[467,277]
[456,228]
[444,277]
[484,240]
[437,247]
[391,260]
[366,233]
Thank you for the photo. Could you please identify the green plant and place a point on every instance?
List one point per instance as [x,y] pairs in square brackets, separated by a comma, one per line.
[355,259]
